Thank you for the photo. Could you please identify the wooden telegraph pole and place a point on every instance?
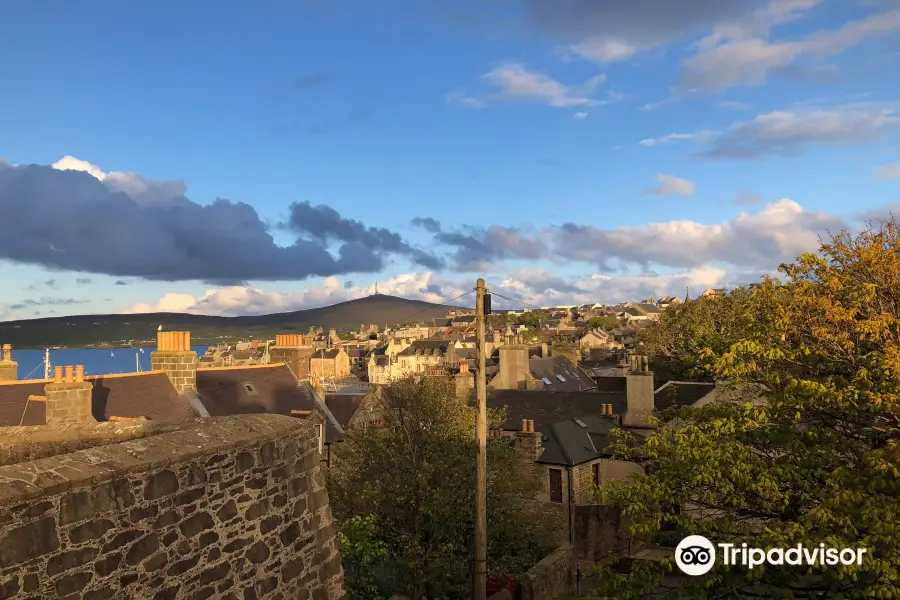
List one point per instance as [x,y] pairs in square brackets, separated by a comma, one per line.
[481,465]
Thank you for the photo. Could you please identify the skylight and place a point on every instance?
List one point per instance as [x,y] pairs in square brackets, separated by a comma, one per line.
[546,381]
[580,422]
[561,378]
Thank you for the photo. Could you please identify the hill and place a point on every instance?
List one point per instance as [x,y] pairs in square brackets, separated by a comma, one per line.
[84,330]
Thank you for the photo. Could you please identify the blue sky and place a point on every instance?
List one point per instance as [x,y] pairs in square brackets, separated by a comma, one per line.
[571,150]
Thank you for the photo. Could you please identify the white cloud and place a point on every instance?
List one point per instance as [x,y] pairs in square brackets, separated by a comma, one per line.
[70,163]
[462,99]
[888,171]
[743,54]
[669,185]
[527,287]
[514,82]
[698,136]
[580,115]
[791,132]
[605,50]
[734,105]
[136,186]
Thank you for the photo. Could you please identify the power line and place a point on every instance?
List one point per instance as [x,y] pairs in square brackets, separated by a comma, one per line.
[520,302]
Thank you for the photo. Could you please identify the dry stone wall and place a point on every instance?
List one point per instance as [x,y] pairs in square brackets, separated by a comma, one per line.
[231,508]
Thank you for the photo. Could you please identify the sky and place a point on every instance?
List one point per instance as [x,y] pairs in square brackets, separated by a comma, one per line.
[279,155]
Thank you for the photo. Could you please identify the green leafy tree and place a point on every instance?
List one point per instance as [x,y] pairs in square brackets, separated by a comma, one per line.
[674,344]
[604,323]
[817,461]
[498,321]
[412,484]
[531,319]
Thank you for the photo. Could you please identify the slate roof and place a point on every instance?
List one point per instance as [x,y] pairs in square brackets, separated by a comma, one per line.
[544,407]
[680,393]
[575,441]
[343,406]
[261,389]
[554,367]
[611,384]
[648,308]
[426,347]
[148,394]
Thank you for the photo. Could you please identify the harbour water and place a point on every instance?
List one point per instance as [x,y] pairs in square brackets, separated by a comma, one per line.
[96,361]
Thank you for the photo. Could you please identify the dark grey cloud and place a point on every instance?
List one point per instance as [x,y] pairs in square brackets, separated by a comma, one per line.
[313,80]
[70,220]
[30,303]
[50,284]
[650,20]
[325,224]
[478,248]
[348,284]
[84,281]
[122,282]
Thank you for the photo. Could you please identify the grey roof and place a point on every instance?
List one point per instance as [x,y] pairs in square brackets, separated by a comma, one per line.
[463,319]
[648,308]
[633,312]
[577,440]
[680,393]
[544,407]
[553,367]
[427,346]
[611,383]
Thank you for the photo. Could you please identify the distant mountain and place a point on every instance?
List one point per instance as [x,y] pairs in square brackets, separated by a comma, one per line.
[76,331]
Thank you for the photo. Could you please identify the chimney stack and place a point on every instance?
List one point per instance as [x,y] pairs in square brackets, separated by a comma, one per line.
[529,444]
[568,350]
[514,367]
[69,397]
[639,394]
[291,350]
[174,356]
[545,350]
[498,338]
[9,369]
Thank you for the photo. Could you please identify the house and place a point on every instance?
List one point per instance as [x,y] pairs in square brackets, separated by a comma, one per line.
[651,310]
[632,314]
[334,363]
[412,356]
[355,411]
[597,339]
[713,292]
[667,301]
[463,322]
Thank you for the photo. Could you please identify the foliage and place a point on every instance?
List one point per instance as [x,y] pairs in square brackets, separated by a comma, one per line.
[345,336]
[361,553]
[413,480]
[674,344]
[817,462]
[498,321]
[604,323]
[527,335]
[531,319]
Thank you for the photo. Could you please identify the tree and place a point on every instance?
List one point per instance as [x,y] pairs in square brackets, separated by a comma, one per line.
[817,462]
[530,319]
[675,342]
[604,323]
[498,321]
[404,496]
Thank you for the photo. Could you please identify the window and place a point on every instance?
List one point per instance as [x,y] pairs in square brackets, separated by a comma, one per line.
[321,437]
[546,381]
[555,485]
[561,378]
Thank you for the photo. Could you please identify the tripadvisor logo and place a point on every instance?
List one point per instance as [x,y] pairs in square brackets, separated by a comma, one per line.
[696,555]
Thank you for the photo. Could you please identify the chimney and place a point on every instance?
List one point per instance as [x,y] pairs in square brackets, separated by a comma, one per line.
[69,397]
[622,368]
[545,350]
[498,338]
[9,369]
[514,368]
[529,444]
[290,350]
[639,393]
[465,381]
[174,356]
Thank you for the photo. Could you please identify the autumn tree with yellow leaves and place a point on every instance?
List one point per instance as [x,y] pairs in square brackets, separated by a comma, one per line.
[818,461]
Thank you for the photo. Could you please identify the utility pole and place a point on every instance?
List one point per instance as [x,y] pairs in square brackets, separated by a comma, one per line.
[481,465]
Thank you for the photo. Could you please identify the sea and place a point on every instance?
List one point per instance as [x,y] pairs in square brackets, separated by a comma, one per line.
[96,361]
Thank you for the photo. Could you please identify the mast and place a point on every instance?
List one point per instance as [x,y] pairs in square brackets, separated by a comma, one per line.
[47,363]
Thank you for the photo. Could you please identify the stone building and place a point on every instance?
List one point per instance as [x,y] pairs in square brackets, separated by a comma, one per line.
[9,369]
[334,363]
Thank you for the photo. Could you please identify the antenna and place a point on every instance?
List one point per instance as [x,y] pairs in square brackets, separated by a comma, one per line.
[376,288]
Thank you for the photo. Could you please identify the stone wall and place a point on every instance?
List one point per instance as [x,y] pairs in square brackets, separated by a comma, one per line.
[22,444]
[232,507]
[552,578]
[599,530]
